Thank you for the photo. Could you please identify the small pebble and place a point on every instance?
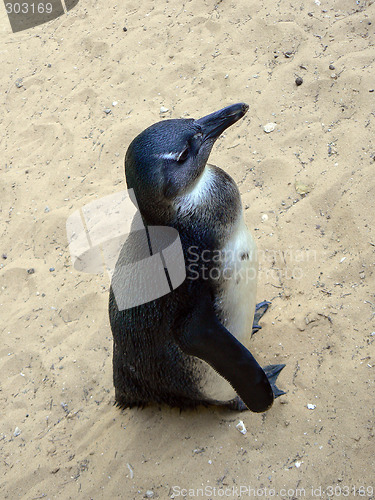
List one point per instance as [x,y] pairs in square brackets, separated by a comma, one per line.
[46,209]
[299,81]
[124,29]
[17,432]
[241,427]
[51,269]
[19,83]
[311,407]
[269,127]
[4,256]
[302,188]
[107,111]
[31,270]
[331,66]
[114,103]
[149,494]
[163,109]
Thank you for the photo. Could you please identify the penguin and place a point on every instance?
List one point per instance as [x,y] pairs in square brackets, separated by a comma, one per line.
[190,347]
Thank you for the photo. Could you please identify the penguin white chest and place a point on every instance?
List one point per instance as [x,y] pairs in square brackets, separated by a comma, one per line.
[235,301]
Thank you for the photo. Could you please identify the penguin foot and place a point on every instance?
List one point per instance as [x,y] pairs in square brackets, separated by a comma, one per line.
[272,372]
[237,404]
[260,309]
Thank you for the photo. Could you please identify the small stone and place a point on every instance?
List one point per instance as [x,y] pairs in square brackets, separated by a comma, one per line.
[264,217]
[269,127]
[149,494]
[124,29]
[17,432]
[51,269]
[302,188]
[299,81]
[311,407]
[31,270]
[163,109]
[241,427]
[107,111]
[4,256]
[46,209]
[331,66]
[298,464]
[114,103]
[19,83]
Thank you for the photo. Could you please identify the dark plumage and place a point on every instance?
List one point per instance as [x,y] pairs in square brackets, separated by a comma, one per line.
[165,350]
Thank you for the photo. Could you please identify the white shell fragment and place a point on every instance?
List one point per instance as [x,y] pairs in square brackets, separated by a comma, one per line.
[241,427]
[130,471]
[269,127]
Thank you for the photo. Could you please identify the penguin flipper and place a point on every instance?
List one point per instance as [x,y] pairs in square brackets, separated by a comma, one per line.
[204,336]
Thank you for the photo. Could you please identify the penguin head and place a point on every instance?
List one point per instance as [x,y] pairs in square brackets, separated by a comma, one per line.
[167,158]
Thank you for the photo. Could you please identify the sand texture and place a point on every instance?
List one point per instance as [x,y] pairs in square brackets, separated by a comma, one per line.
[308,190]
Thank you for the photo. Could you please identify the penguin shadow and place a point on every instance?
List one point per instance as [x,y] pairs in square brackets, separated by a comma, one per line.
[201,422]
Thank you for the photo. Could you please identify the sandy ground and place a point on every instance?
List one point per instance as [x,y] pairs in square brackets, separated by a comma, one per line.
[308,189]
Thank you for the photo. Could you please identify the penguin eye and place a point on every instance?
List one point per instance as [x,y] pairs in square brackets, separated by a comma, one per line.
[183,156]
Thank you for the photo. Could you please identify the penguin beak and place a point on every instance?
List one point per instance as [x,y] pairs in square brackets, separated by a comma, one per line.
[213,125]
